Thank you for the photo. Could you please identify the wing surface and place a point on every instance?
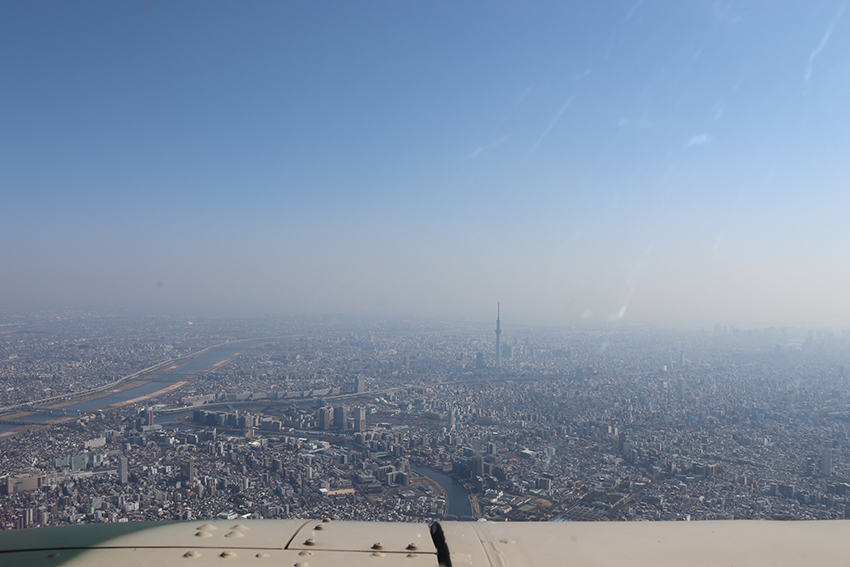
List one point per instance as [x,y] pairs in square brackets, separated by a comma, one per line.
[317,543]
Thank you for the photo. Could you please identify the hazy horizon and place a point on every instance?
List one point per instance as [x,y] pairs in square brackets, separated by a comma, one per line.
[627,163]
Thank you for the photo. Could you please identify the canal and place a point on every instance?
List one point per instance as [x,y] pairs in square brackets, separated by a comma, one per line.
[458,496]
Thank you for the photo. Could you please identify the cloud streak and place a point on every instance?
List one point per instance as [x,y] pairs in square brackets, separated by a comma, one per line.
[699,140]
[482,149]
[554,121]
[824,40]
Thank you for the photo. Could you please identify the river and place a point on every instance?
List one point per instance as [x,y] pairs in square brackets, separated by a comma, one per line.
[190,368]
[458,496]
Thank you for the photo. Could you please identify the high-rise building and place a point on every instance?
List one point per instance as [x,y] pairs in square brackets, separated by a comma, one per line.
[28,517]
[476,463]
[498,339]
[123,469]
[341,417]
[324,417]
[361,384]
[360,419]
[187,471]
[826,462]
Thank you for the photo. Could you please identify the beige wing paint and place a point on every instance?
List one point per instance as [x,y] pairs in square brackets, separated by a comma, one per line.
[317,543]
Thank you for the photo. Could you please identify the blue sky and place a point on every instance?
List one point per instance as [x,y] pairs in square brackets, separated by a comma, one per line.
[657,162]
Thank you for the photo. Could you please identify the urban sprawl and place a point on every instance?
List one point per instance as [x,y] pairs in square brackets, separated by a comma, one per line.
[356,419]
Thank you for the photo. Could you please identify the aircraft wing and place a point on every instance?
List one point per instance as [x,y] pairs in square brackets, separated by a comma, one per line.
[318,543]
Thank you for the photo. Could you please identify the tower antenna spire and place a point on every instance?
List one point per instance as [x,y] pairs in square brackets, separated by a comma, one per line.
[498,336]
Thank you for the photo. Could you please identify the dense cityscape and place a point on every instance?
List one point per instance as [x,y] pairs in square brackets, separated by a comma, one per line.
[111,418]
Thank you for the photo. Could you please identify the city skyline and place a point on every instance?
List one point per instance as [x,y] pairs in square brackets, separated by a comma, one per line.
[153,419]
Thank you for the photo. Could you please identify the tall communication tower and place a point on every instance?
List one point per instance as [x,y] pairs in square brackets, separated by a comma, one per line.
[498,335]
